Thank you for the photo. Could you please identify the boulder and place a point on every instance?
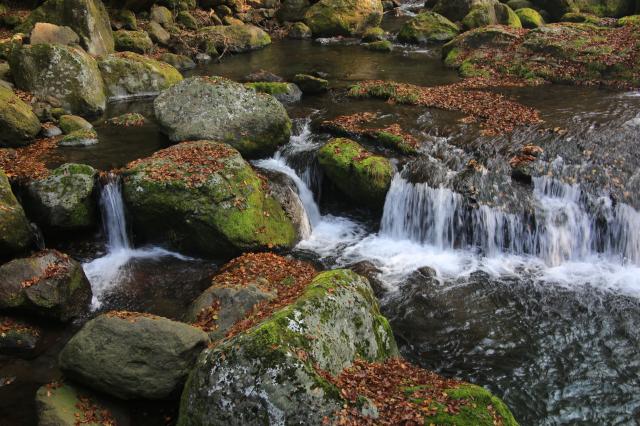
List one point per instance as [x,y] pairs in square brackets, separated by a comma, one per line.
[455,10]
[63,72]
[299,31]
[88,18]
[311,84]
[284,92]
[124,20]
[267,374]
[530,18]
[18,122]
[495,14]
[293,10]
[71,123]
[202,197]
[380,46]
[50,33]
[132,355]
[520,4]
[187,20]
[132,41]
[328,18]
[428,27]
[16,234]
[158,34]
[129,74]
[49,284]
[65,199]
[602,8]
[179,62]
[81,137]
[374,34]
[235,38]
[219,109]
[161,15]
[17,337]
[359,174]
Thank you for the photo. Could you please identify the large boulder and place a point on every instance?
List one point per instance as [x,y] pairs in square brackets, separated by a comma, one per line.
[49,284]
[132,355]
[530,18]
[234,38]
[18,122]
[64,200]
[128,75]
[343,17]
[47,33]
[88,18]
[219,109]
[359,174]
[132,41]
[495,14]
[16,234]
[268,375]
[455,10]
[203,197]
[292,10]
[66,73]
[427,27]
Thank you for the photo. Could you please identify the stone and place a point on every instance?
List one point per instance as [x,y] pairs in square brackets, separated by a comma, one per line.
[530,18]
[161,15]
[16,235]
[79,138]
[310,84]
[132,356]
[18,337]
[284,92]
[132,41]
[124,20]
[374,34]
[49,284]
[428,27]
[158,34]
[180,62]
[18,122]
[293,10]
[380,46]
[299,31]
[50,33]
[70,123]
[495,14]
[187,20]
[328,18]
[219,109]
[456,10]
[235,38]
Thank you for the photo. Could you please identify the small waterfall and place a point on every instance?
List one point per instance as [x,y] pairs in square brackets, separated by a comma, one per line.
[113,217]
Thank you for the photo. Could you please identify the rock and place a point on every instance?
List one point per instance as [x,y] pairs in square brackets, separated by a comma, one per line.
[65,199]
[493,36]
[380,46]
[187,20]
[124,20]
[132,356]
[371,273]
[455,10]
[18,122]
[16,235]
[428,27]
[129,75]
[180,62]
[495,14]
[213,203]
[49,284]
[51,33]
[520,4]
[88,18]
[223,11]
[299,31]
[159,34]
[374,34]
[629,20]
[530,18]
[266,375]
[161,15]
[129,119]
[263,76]
[71,123]
[235,38]
[62,72]
[328,18]
[133,41]
[292,10]
[51,131]
[359,174]
[17,337]
[284,92]
[583,18]
[310,84]
[79,138]
[219,109]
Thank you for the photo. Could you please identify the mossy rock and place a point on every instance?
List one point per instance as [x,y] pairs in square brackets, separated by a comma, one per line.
[187,20]
[374,34]
[18,122]
[71,123]
[82,137]
[583,18]
[356,172]
[428,27]
[292,10]
[132,41]
[15,231]
[299,31]
[334,322]
[328,18]
[487,37]
[629,20]
[311,84]
[520,4]
[530,18]
[606,8]
[179,62]
[214,209]
[284,92]
[125,20]
[63,72]
[455,10]
[235,38]
[129,74]
[161,15]
[380,46]
[64,200]
[496,14]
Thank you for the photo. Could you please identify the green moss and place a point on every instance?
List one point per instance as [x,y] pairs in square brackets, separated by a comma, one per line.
[530,18]
[133,41]
[70,123]
[270,88]
[343,17]
[82,137]
[380,46]
[469,69]
[395,142]
[18,122]
[428,27]
[629,20]
[385,90]
[15,231]
[373,34]
[582,18]
[234,38]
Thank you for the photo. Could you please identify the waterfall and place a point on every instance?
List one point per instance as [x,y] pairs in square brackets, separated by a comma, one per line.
[113,217]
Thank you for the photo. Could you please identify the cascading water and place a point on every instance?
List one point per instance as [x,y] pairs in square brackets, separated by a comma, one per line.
[113,216]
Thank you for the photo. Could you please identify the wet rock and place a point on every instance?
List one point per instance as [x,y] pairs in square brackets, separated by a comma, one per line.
[15,231]
[51,131]
[428,27]
[128,75]
[284,92]
[263,76]
[211,201]
[293,10]
[179,62]
[299,31]
[380,46]
[124,20]
[328,18]
[456,10]
[65,199]
[266,374]
[235,38]
[530,18]
[158,34]
[51,33]
[129,119]
[131,355]
[610,8]
[491,14]
[187,20]
[18,122]
[18,337]
[219,109]
[359,174]
[88,18]
[71,123]
[62,72]
[132,41]
[79,138]
[161,15]
[311,84]
[374,34]
[370,272]
[49,284]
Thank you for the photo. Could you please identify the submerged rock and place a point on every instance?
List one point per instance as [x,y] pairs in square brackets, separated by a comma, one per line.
[18,122]
[82,137]
[65,199]
[203,197]
[219,109]
[49,284]
[128,74]
[328,18]
[16,234]
[311,84]
[428,27]
[131,355]
[235,38]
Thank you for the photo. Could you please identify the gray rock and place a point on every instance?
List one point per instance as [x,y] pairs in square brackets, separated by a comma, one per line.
[180,62]
[15,231]
[50,33]
[159,34]
[18,122]
[17,337]
[235,38]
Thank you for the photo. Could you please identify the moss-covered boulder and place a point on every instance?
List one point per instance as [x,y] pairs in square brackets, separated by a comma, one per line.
[44,32]
[379,46]
[63,72]
[530,18]
[15,231]
[299,31]
[267,374]
[311,84]
[219,109]
[18,122]
[428,27]
[203,197]
[128,74]
[235,38]
[18,337]
[374,34]
[358,173]
[284,92]
[158,34]
[179,62]
[65,199]
[455,10]
[88,18]
[81,137]
[343,17]
[161,15]
[630,20]
[293,10]
[186,20]
[71,123]
[131,355]
[132,41]
[49,284]
[494,14]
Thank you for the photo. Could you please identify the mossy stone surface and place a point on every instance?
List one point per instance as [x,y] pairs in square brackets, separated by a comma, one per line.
[81,137]
[380,46]
[428,27]
[70,123]
[328,18]
[15,231]
[530,18]
[495,14]
[284,92]
[311,84]
[18,122]
[132,41]
[235,38]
